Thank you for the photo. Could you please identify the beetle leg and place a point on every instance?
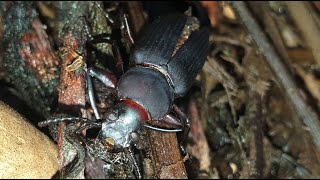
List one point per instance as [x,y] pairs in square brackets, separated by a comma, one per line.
[162,129]
[106,38]
[163,125]
[72,169]
[125,25]
[91,96]
[171,120]
[58,120]
[168,123]
[108,79]
[124,21]
[185,121]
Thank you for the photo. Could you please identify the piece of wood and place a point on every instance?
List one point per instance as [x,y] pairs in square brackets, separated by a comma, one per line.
[72,39]
[25,152]
[165,155]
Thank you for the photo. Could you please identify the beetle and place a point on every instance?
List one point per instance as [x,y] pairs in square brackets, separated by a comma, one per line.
[161,72]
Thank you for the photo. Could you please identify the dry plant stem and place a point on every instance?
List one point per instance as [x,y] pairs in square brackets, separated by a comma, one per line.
[311,82]
[165,155]
[251,160]
[214,68]
[71,39]
[71,95]
[200,149]
[308,27]
[228,82]
[271,27]
[237,42]
[256,118]
[305,112]
[61,130]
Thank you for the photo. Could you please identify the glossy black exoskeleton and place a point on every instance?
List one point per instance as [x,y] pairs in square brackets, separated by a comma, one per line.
[162,71]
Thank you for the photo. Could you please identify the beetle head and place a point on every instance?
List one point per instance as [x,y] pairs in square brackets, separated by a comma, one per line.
[121,121]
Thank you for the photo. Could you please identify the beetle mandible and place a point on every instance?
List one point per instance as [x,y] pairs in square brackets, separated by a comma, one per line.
[147,91]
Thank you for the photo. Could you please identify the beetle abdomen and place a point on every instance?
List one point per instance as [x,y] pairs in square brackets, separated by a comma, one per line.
[149,88]
[188,61]
[156,48]
[159,40]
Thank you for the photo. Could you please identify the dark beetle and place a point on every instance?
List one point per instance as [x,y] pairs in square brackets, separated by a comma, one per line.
[147,90]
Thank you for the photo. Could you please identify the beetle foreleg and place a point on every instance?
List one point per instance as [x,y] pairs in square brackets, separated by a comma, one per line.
[59,120]
[163,125]
[125,25]
[184,120]
[106,78]
[170,120]
[91,97]
[186,125]
[106,38]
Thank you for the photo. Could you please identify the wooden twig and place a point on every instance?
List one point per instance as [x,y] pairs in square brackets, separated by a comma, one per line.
[72,83]
[272,29]
[305,112]
[71,96]
[255,118]
[165,155]
[200,148]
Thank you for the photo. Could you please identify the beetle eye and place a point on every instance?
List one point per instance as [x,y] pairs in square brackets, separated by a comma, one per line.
[112,115]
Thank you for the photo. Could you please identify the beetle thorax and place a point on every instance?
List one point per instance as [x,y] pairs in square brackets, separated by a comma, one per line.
[149,88]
